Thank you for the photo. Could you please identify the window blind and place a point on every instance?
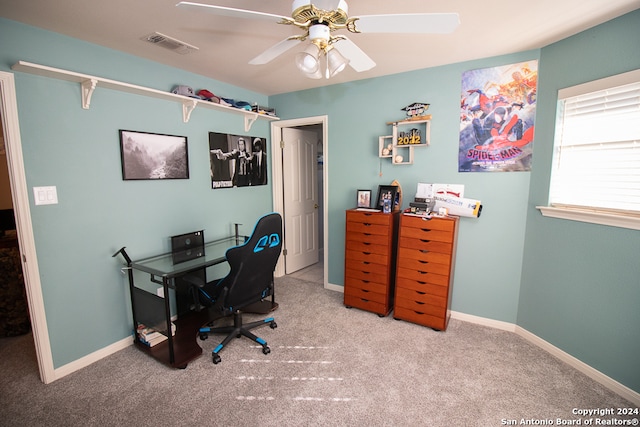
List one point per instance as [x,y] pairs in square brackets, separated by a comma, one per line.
[597,150]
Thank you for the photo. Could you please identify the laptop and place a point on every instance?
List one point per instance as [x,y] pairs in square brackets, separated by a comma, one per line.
[188,246]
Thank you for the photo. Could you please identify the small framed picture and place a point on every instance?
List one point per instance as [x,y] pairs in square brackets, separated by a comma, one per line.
[386,198]
[364,198]
[148,155]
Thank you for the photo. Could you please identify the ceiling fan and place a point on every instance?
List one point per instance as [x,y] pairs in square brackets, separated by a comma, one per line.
[320,19]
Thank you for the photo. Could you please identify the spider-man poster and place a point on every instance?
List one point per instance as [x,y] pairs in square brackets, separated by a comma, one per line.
[497,115]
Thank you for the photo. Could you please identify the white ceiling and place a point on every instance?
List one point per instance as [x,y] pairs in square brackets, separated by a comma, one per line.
[488,28]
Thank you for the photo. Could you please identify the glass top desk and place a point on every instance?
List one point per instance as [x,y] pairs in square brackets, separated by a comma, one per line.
[170,307]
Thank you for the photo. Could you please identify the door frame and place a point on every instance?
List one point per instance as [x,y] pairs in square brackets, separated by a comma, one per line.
[277,178]
[26,241]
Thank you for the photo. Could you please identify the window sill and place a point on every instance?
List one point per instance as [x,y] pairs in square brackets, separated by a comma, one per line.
[613,220]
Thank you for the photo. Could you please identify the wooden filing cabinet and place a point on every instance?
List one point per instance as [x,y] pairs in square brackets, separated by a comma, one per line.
[424,270]
[370,249]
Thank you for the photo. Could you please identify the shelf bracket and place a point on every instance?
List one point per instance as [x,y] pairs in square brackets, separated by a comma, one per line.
[248,121]
[88,86]
[187,108]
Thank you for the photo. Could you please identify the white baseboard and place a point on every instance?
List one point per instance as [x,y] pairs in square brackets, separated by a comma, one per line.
[92,358]
[613,385]
[332,287]
[496,324]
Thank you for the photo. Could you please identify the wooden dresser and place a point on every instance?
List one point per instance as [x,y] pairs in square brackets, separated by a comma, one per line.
[370,254]
[424,271]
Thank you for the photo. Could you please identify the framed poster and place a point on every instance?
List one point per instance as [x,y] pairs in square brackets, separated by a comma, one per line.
[497,115]
[237,161]
[153,156]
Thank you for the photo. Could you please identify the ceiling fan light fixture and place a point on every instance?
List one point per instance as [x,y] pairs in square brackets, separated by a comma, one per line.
[308,60]
[335,62]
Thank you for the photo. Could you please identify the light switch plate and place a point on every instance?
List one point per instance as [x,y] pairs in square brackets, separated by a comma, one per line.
[45,195]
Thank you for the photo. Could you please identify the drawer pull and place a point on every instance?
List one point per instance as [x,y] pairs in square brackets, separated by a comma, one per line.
[365,281]
[367,253]
[366,224]
[365,300]
[422,283]
[424,251]
[423,262]
[367,234]
[366,243]
[425,240]
[417,312]
[366,262]
[419,303]
[420,293]
[422,272]
[426,230]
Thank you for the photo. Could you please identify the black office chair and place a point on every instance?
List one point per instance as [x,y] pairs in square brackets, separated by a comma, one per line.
[249,281]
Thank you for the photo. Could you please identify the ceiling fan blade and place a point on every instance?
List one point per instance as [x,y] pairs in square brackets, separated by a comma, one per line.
[232,12]
[274,51]
[411,23]
[358,60]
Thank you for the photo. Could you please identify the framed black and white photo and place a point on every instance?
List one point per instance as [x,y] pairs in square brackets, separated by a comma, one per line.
[153,156]
[237,160]
[364,198]
[386,200]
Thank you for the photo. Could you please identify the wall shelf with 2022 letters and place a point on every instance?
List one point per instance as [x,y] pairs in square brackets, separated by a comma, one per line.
[407,135]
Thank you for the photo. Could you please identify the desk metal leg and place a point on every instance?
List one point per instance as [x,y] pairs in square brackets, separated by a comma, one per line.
[167,310]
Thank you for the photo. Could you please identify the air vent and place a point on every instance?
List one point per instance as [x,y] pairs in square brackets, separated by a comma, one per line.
[170,43]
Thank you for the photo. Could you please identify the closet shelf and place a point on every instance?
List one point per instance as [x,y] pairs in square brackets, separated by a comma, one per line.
[89,83]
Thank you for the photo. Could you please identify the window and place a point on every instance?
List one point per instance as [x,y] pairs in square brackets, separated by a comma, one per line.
[595,174]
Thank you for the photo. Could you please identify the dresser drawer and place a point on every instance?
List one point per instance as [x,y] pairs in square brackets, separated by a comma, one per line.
[427,245]
[367,229]
[421,286]
[366,285]
[372,239]
[366,257]
[363,268]
[423,276]
[370,218]
[366,304]
[424,255]
[408,298]
[366,294]
[441,224]
[438,322]
[423,267]
[365,247]
[367,276]
[426,234]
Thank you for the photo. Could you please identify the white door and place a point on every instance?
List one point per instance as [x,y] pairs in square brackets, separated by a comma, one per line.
[299,164]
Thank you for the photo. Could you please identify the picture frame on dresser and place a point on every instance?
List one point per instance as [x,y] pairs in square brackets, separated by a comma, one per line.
[363,199]
[387,198]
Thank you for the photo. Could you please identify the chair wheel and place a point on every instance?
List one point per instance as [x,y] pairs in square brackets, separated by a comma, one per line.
[204,336]
[273,325]
[216,359]
[266,350]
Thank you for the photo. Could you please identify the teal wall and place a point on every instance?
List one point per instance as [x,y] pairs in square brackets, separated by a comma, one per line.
[85,295]
[489,255]
[581,282]
[574,285]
